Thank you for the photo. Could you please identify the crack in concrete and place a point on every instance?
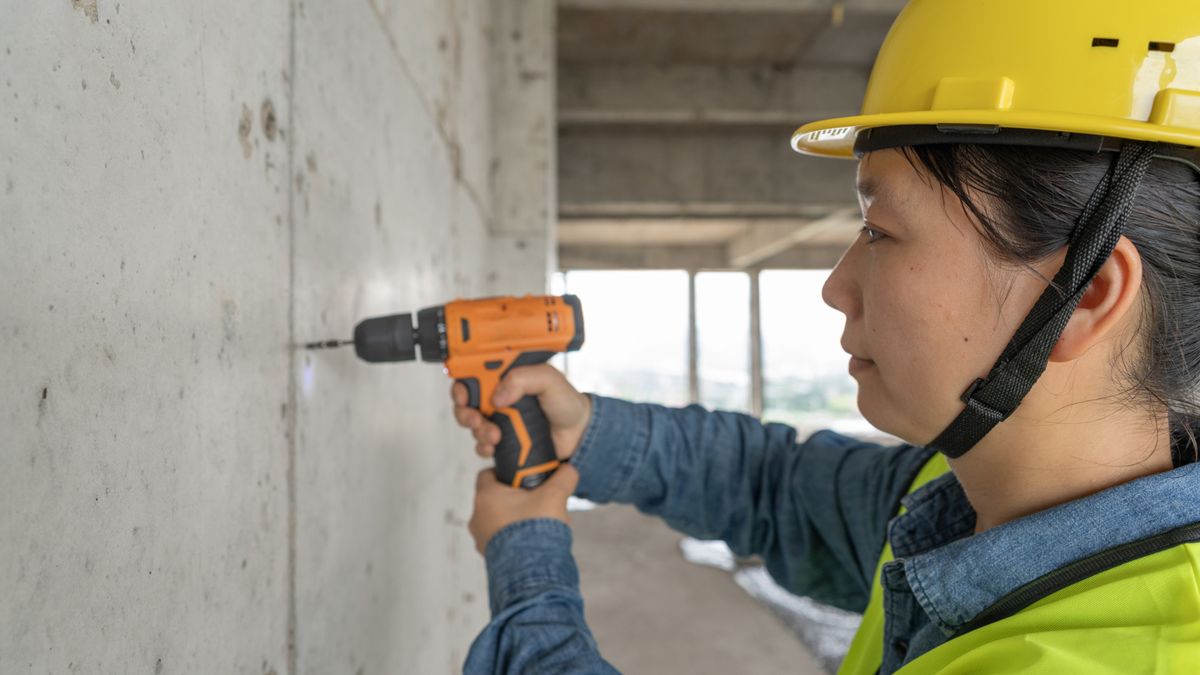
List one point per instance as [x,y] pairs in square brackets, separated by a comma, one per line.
[453,149]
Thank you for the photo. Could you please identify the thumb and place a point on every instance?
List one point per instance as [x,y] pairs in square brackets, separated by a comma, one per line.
[525,381]
[563,481]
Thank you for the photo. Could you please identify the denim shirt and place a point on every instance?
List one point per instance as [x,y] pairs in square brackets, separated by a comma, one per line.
[815,511]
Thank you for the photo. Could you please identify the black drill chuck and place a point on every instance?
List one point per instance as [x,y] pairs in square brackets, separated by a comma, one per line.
[386,338]
[393,338]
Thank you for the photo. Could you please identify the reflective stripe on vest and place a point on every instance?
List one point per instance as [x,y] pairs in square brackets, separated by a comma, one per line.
[1142,616]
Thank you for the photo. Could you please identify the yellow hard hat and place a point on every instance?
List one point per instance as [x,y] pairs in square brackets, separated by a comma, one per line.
[1116,69]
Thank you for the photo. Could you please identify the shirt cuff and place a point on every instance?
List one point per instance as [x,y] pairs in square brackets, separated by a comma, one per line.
[613,446]
[527,558]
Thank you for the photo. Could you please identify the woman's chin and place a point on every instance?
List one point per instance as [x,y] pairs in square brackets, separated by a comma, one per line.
[883,417]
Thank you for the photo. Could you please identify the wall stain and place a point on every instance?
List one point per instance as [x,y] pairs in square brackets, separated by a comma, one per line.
[88,7]
[245,124]
[112,79]
[269,123]
[229,328]
[228,309]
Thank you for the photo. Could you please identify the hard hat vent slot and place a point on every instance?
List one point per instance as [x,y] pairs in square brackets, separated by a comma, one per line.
[1105,42]
[1162,47]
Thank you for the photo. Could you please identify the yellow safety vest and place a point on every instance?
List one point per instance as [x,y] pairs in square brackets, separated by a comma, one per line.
[1140,616]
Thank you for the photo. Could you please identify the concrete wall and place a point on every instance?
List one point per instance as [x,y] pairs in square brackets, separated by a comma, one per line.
[188,189]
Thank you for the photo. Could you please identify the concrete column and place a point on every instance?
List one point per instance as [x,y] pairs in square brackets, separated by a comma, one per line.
[756,355]
[693,342]
[523,176]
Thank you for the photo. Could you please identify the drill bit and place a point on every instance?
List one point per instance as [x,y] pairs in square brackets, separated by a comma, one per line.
[328,344]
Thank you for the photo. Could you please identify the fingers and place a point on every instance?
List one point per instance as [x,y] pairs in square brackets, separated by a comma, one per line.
[487,435]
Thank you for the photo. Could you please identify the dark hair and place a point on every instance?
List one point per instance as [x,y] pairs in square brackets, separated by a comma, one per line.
[1027,201]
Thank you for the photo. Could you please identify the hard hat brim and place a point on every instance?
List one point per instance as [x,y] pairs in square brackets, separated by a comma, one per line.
[835,137]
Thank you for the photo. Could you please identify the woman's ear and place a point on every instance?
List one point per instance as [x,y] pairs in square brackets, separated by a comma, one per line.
[1105,304]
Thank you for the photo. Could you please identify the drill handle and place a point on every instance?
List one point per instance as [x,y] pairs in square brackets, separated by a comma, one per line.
[525,454]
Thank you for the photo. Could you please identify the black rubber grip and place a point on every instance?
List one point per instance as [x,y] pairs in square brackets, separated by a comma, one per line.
[508,451]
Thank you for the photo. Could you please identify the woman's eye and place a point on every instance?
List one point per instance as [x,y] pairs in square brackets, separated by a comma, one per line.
[873,235]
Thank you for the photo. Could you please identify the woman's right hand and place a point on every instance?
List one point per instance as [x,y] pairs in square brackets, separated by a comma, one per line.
[566,409]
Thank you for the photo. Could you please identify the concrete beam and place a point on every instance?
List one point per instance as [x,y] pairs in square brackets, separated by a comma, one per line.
[641,258]
[700,258]
[642,171]
[764,242]
[649,232]
[723,36]
[698,94]
[645,211]
[892,6]
[666,231]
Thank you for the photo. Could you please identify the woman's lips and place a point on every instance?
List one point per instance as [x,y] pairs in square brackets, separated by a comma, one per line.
[857,364]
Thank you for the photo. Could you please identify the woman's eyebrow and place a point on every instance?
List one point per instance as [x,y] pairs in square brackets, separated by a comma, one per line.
[872,190]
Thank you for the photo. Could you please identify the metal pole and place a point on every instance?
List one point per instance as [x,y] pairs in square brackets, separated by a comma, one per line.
[756,350]
[693,342]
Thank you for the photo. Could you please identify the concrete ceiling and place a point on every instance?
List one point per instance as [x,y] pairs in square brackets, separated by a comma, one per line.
[674,118]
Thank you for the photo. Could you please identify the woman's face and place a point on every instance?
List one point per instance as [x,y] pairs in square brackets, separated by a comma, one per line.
[927,311]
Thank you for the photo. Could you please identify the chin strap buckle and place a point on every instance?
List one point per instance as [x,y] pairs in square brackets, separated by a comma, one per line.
[980,407]
[970,392]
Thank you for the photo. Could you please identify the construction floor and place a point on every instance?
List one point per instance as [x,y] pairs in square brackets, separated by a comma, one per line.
[653,612]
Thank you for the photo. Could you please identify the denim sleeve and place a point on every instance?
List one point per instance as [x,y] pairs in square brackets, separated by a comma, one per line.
[537,624]
[815,511]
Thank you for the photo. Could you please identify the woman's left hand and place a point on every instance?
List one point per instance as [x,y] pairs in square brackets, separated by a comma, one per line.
[498,505]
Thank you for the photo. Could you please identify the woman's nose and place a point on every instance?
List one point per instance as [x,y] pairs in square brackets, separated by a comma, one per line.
[841,290]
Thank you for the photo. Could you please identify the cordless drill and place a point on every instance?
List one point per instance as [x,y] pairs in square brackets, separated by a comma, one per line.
[479,341]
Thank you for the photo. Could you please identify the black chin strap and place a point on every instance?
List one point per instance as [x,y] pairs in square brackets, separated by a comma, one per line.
[990,400]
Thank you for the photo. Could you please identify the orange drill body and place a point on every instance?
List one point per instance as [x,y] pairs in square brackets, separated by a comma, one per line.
[484,338]
[479,341]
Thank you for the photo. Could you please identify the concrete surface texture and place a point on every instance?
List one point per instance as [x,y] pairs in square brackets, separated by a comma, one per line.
[186,191]
[651,611]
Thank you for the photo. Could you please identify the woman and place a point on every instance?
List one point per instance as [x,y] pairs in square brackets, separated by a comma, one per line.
[1022,306]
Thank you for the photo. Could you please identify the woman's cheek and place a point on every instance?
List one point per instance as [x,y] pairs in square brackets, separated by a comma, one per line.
[921,355]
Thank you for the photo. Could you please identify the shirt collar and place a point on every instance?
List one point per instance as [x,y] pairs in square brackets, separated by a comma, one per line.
[955,574]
